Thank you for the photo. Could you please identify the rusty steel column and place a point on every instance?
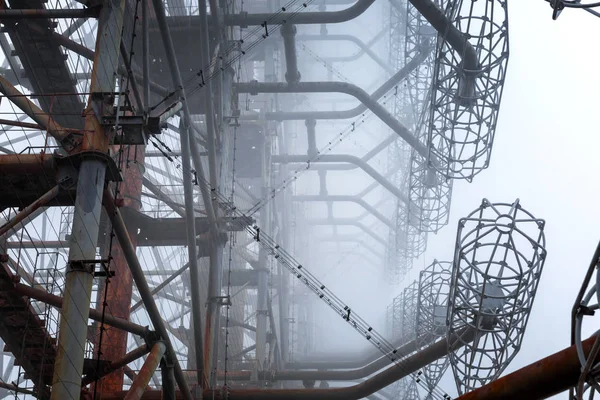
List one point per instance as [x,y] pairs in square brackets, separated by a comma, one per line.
[120,287]
[138,387]
[73,330]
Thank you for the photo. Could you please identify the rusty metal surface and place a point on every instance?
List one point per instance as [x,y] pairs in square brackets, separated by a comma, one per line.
[95,315]
[140,383]
[120,288]
[539,380]
[24,213]
[25,335]
[45,67]
[377,382]
[116,364]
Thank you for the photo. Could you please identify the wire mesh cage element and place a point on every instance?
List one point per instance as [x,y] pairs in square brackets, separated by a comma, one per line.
[429,196]
[432,310]
[395,316]
[409,311]
[467,89]
[498,260]
[584,308]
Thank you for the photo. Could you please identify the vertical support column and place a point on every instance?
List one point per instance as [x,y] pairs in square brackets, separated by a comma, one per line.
[118,297]
[68,368]
[146,54]
[283,284]
[262,298]
[213,311]
[168,381]
[312,139]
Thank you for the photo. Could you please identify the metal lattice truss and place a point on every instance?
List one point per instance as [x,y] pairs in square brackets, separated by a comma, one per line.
[429,193]
[410,305]
[432,311]
[467,89]
[498,260]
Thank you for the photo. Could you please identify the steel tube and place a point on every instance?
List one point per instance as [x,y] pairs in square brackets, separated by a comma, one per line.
[190,225]
[12,388]
[25,212]
[20,124]
[539,380]
[368,45]
[341,87]
[35,13]
[354,112]
[215,274]
[350,38]
[143,377]
[34,112]
[75,309]
[145,56]
[140,280]
[375,383]
[168,381]
[331,17]
[117,364]
[455,38]
[292,158]
[348,222]
[288,31]
[188,147]
[95,315]
[352,199]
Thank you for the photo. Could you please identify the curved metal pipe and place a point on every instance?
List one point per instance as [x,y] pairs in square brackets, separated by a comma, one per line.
[330,17]
[353,39]
[347,198]
[292,75]
[341,87]
[448,32]
[375,383]
[343,114]
[283,159]
[349,239]
[356,56]
[348,222]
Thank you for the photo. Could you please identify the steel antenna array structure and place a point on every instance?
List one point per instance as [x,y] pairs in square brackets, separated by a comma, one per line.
[498,260]
[432,310]
[404,242]
[429,193]
[467,89]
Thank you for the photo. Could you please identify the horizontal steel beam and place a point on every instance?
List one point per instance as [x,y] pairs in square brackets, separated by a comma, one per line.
[300,18]
[95,315]
[340,87]
[329,158]
[37,13]
[402,369]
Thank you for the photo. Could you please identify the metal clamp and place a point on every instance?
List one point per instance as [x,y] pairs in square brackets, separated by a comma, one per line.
[90,266]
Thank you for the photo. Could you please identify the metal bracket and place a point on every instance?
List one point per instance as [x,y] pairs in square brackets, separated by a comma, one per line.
[221,300]
[90,266]
[112,171]
[134,129]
